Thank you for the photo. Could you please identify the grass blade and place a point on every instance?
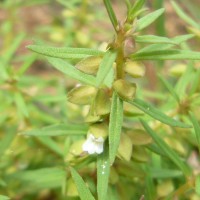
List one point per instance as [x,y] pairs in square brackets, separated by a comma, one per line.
[168,151]
[111,13]
[115,126]
[196,128]
[83,190]
[103,171]
[157,114]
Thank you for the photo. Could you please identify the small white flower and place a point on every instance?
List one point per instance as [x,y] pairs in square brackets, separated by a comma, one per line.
[93,145]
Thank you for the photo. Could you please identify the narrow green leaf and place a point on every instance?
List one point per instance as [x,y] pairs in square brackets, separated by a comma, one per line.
[115,126]
[7,56]
[136,7]
[167,55]
[184,16]
[83,190]
[196,128]
[58,130]
[154,39]
[170,88]
[169,152]
[21,106]
[165,173]
[197,185]
[157,47]
[40,178]
[105,67]
[6,141]
[65,52]
[157,114]
[148,19]
[111,13]
[50,144]
[103,171]
[150,192]
[71,71]
[4,197]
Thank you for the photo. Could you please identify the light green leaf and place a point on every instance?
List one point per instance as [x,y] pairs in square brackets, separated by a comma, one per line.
[148,19]
[115,126]
[103,171]
[197,185]
[168,151]
[111,13]
[65,52]
[157,47]
[4,197]
[51,144]
[170,88]
[165,173]
[58,130]
[21,106]
[71,71]
[154,39]
[83,190]
[105,67]
[157,114]
[184,16]
[136,7]
[167,55]
[40,178]
[8,55]
[196,128]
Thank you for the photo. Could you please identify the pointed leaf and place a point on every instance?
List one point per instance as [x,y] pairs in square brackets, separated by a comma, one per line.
[58,130]
[115,126]
[148,19]
[111,13]
[136,7]
[64,52]
[83,190]
[184,16]
[103,171]
[167,55]
[157,114]
[197,185]
[168,151]
[154,39]
[71,71]
[170,88]
[105,67]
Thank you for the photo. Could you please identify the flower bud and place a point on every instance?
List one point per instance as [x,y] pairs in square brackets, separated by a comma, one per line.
[102,102]
[178,69]
[125,147]
[92,116]
[132,111]
[82,95]
[134,69]
[89,65]
[124,89]
[99,130]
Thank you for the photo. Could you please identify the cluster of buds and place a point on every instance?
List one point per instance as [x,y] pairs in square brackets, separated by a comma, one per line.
[99,99]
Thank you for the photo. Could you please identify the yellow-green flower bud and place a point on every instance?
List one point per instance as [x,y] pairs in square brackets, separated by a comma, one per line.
[89,65]
[125,147]
[82,95]
[102,102]
[125,89]
[132,111]
[178,69]
[134,69]
[99,130]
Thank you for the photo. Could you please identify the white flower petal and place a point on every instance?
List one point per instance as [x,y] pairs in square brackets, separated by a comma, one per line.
[99,148]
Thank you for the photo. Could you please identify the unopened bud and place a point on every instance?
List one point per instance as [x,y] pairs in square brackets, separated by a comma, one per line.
[82,95]
[102,102]
[134,69]
[124,89]
[99,130]
[89,65]
[178,69]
